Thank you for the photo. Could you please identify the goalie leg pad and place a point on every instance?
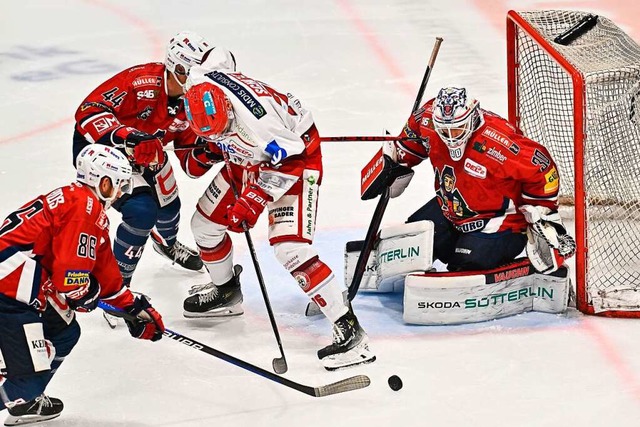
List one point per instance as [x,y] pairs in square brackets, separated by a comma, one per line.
[401,249]
[476,296]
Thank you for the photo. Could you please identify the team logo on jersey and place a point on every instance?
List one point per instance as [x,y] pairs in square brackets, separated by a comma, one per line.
[76,278]
[475,169]
[277,153]
[451,200]
[103,220]
[146,113]
[240,92]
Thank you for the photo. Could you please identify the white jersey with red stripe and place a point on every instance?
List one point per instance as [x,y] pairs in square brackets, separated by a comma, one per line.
[267,135]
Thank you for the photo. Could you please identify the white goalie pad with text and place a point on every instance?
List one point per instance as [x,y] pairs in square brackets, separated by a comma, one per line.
[450,298]
[400,250]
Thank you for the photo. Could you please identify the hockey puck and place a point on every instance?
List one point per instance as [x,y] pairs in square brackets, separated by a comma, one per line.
[395,382]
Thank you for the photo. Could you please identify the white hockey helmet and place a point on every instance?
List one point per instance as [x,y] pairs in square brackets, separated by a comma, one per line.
[96,161]
[184,51]
[219,58]
[455,118]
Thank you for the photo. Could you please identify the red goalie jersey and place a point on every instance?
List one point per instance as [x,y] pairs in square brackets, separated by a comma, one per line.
[499,171]
[53,243]
[136,97]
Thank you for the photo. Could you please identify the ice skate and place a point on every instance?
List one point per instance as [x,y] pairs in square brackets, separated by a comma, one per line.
[211,300]
[42,408]
[180,254]
[350,345]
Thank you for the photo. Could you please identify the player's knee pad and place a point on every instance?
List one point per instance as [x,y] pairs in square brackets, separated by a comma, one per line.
[293,254]
[140,211]
[207,233]
[65,340]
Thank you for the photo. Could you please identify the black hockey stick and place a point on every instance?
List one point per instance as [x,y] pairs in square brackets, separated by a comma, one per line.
[279,363]
[347,384]
[378,213]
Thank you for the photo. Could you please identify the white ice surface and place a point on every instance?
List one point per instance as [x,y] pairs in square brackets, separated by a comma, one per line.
[357,65]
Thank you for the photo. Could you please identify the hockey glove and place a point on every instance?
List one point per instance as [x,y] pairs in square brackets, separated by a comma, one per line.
[246,210]
[87,301]
[148,324]
[142,148]
[548,243]
[382,172]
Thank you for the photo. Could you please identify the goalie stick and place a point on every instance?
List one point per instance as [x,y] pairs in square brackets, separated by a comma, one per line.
[322,139]
[378,213]
[347,384]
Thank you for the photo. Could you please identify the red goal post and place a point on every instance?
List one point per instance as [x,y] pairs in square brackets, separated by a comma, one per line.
[574,86]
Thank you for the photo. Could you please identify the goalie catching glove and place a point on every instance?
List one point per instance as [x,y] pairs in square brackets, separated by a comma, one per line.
[548,243]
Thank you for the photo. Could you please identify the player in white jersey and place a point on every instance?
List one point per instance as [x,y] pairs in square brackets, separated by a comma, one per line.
[275,162]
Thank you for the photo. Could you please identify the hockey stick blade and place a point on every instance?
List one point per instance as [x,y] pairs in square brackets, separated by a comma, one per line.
[312,310]
[348,384]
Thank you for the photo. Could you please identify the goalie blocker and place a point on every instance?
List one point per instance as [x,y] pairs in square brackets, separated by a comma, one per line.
[403,254]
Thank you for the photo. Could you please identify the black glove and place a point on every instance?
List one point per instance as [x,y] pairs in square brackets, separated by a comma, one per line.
[147,324]
[88,301]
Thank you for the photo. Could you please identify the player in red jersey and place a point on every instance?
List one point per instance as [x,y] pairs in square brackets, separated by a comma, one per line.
[493,185]
[139,110]
[55,259]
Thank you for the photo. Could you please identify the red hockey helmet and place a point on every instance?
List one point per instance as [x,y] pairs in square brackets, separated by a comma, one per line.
[208,110]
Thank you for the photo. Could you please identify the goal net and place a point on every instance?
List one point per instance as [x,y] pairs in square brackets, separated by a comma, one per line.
[579,96]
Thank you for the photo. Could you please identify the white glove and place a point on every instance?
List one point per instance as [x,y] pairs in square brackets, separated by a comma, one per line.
[548,243]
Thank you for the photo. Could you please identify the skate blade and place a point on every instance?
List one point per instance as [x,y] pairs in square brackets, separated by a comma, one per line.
[359,355]
[219,312]
[28,419]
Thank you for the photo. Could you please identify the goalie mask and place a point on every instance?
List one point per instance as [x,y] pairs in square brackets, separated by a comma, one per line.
[455,118]
[208,110]
[96,161]
[184,51]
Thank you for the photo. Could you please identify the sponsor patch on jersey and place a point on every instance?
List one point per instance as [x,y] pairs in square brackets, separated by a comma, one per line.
[501,139]
[147,81]
[178,125]
[240,92]
[496,155]
[146,113]
[277,153]
[480,147]
[76,278]
[553,181]
[475,169]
